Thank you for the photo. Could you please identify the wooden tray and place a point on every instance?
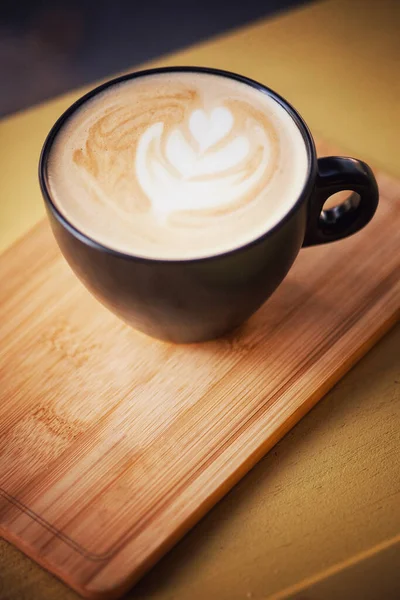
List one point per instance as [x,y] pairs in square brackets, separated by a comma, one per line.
[112,445]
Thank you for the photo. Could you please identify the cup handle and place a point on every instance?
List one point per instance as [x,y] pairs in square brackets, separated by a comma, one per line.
[335,174]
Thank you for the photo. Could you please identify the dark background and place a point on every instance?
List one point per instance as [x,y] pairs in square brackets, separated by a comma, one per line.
[50,46]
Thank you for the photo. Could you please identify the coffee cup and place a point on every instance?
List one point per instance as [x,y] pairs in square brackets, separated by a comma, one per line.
[181,197]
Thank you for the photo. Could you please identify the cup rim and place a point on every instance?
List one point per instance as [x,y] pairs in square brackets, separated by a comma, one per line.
[91,242]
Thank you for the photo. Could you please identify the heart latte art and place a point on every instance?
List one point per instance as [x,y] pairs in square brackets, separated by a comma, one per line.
[177,165]
[207,166]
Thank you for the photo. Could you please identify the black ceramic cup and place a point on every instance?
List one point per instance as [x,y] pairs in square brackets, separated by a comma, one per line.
[201,299]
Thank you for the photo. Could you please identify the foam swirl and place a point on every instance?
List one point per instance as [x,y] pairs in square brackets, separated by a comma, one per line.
[179,156]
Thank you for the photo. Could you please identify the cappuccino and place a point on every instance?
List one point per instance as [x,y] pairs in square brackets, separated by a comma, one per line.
[177,165]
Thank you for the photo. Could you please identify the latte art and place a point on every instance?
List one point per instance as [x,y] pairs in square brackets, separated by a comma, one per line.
[178,165]
[206,167]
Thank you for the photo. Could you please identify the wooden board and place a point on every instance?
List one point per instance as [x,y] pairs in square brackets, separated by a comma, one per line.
[112,445]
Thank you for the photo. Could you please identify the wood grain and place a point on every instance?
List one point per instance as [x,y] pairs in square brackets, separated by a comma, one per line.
[112,444]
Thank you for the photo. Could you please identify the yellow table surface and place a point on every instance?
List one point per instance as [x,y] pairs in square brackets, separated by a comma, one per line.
[321,511]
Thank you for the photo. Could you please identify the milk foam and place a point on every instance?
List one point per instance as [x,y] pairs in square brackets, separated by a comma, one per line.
[178,165]
[198,179]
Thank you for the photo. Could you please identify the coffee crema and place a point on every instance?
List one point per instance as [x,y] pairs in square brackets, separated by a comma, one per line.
[177,165]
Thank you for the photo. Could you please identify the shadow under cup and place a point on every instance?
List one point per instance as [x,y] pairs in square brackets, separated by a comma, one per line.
[200,299]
